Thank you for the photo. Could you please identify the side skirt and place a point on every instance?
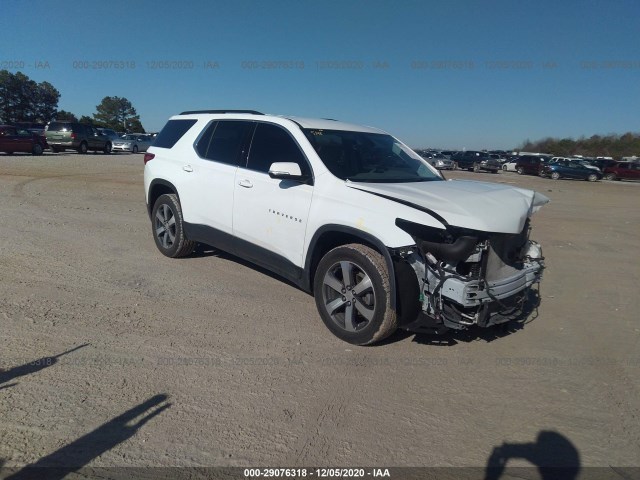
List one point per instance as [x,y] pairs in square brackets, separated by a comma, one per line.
[247,251]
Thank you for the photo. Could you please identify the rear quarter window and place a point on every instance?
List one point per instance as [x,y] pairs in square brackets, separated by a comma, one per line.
[173,131]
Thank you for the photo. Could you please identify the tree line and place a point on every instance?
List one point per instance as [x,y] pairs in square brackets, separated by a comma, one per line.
[612,145]
[24,100]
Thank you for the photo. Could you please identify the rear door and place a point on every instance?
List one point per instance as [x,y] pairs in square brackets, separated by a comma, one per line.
[207,178]
[271,214]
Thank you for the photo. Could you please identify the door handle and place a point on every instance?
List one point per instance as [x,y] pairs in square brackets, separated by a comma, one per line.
[245,183]
[187,168]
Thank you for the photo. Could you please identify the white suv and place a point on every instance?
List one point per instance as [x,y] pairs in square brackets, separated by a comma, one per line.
[348,213]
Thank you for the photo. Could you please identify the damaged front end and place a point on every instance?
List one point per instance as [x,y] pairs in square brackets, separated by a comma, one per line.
[467,277]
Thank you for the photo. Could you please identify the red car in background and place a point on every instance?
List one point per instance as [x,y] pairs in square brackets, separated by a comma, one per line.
[15,139]
[623,171]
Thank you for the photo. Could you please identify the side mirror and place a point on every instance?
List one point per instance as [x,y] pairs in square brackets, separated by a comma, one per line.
[286,171]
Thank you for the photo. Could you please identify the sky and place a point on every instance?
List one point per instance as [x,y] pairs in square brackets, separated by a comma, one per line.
[446,74]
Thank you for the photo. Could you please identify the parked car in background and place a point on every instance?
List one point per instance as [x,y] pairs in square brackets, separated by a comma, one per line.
[111,134]
[509,166]
[476,161]
[623,171]
[587,163]
[603,163]
[14,139]
[569,169]
[34,127]
[76,136]
[439,161]
[530,164]
[132,142]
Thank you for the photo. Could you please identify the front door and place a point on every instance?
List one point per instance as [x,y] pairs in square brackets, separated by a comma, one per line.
[270,215]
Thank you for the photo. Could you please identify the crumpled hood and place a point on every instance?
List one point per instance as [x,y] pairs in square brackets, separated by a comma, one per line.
[488,207]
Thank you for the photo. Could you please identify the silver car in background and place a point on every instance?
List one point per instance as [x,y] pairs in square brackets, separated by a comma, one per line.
[133,143]
[439,161]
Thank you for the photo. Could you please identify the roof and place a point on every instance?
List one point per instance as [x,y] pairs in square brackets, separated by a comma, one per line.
[313,123]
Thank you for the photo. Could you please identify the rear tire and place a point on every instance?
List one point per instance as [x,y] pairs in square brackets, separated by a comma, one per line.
[37,149]
[520,171]
[168,228]
[353,294]
[610,176]
[83,149]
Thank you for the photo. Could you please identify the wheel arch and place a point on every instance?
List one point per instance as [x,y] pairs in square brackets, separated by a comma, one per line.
[157,188]
[329,237]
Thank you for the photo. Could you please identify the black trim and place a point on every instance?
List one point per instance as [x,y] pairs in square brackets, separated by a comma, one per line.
[160,181]
[250,112]
[408,204]
[245,250]
[307,276]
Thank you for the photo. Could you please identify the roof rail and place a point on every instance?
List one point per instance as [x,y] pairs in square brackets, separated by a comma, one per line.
[251,112]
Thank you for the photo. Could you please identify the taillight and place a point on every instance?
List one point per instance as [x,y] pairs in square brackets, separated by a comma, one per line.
[73,135]
[148,157]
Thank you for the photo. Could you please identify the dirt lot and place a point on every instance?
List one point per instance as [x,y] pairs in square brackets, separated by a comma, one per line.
[233,367]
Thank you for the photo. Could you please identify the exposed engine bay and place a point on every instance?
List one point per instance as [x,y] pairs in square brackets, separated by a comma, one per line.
[467,277]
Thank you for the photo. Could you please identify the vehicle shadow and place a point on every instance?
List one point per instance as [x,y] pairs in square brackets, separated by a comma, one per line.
[80,452]
[202,250]
[553,454]
[32,367]
[449,338]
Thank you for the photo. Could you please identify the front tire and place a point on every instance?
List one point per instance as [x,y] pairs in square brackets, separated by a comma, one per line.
[168,228]
[135,149]
[353,294]
[520,171]
[83,149]
[592,177]
[555,176]
[107,148]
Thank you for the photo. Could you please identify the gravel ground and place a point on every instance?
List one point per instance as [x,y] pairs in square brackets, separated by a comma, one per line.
[208,361]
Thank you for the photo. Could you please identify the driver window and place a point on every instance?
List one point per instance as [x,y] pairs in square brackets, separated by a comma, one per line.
[271,144]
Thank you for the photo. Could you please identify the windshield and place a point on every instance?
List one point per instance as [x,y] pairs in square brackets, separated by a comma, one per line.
[369,157]
[129,137]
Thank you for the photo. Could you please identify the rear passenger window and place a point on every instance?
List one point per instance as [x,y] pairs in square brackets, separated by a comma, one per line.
[172,132]
[271,144]
[227,140]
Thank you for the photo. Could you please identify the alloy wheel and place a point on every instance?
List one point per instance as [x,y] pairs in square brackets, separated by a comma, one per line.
[165,226]
[348,296]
